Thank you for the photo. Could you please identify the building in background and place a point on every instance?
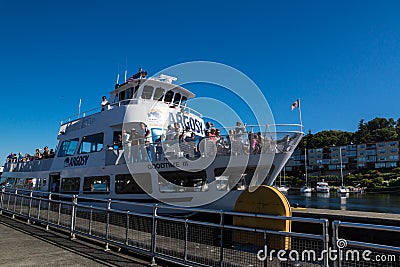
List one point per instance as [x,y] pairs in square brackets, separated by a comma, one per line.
[323,161]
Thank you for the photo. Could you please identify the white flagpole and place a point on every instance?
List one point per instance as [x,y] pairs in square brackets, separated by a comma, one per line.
[301,120]
[117,79]
[79,107]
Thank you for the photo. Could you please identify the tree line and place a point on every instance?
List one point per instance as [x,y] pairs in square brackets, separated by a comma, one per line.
[375,130]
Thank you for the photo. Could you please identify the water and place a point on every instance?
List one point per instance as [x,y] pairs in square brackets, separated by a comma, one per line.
[374,202]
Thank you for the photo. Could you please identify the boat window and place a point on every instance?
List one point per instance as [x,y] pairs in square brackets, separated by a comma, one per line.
[183,101]
[147,92]
[96,184]
[70,185]
[158,94]
[30,183]
[10,182]
[68,147]
[168,97]
[20,183]
[181,181]
[91,143]
[128,184]
[228,178]
[177,99]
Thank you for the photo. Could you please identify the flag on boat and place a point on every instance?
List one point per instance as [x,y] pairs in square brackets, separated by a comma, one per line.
[296,104]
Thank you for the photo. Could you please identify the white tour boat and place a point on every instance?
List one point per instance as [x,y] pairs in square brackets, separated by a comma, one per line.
[103,154]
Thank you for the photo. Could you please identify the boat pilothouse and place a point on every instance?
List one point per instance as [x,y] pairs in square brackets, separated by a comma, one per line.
[146,145]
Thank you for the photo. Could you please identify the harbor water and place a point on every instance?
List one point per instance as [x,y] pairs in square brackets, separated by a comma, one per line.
[373,202]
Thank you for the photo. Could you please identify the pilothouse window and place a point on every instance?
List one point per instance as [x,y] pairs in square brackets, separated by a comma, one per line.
[147,92]
[183,101]
[91,143]
[68,147]
[158,94]
[168,97]
[177,99]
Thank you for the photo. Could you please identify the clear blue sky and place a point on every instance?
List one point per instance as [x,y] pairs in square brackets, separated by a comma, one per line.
[342,58]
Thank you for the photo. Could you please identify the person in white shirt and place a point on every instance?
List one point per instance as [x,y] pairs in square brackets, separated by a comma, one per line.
[104,103]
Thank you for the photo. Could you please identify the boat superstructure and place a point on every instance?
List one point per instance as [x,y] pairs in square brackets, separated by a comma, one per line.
[322,187]
[103,153]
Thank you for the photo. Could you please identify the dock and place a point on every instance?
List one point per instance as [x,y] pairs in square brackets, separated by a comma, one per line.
[29,245]
[44,231]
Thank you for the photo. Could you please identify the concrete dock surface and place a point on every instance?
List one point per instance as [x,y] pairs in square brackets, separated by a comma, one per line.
[25,244]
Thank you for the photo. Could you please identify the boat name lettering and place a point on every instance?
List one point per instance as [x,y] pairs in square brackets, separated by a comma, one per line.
[76,161]
[167,165]
[183,120]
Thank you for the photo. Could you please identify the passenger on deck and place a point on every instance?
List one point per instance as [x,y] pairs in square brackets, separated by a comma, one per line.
[142,130]
[52,153]
[46,152]
[177,130]
[135,137]
[148,145]
[239,130]
[207,130]
[170,133]
[186,134]
[159,149]
[37,155]
[118,142]
[125,138]
[28,157]
[104,103]
[10,157]
[20,157]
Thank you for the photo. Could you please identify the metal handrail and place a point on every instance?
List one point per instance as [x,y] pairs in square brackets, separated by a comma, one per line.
[69,224]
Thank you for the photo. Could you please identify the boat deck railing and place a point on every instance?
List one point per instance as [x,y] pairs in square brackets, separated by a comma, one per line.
[241,143]
[234,144]
[29,166]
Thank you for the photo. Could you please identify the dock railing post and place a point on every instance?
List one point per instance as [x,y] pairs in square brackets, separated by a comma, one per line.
[15,203]
[221,240]
[2,199]
[48,212]
[30,206]
[335,235]
[186,240]
[325,233]
[127,229]
[153,236]
[73,216]
[108,223]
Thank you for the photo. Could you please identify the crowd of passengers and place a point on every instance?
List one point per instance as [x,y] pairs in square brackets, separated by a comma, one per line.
[238,141]
[38,155]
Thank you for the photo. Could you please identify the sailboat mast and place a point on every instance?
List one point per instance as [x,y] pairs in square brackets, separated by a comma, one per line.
[341,165]
[305,164]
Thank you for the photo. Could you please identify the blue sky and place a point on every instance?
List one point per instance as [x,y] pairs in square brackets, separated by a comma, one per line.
[342,58]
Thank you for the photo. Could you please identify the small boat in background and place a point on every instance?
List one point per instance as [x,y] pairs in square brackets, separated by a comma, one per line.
[305,188]
[342,189]
[322,187]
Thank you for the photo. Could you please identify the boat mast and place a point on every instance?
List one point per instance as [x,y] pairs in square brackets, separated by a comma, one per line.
[341,166]
[305,165]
